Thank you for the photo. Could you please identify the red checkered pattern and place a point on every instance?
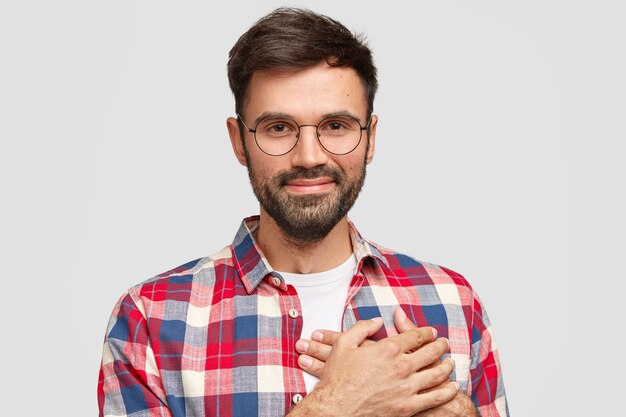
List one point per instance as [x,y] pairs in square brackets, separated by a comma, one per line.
[214,337]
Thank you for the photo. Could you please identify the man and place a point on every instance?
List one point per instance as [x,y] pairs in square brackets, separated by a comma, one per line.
[283,321]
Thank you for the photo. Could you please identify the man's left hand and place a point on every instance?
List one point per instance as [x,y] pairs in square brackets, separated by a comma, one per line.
[318,349]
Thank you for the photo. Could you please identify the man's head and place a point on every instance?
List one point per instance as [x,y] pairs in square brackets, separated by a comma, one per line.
[296,69]
[293,39]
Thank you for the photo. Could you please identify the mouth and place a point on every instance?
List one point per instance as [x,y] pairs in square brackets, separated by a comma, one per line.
[310,186]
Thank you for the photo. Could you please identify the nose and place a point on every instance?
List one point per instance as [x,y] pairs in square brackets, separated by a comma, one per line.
[308,153]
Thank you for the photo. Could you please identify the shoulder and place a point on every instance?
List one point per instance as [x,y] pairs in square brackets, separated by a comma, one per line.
[180,283]
[422,273]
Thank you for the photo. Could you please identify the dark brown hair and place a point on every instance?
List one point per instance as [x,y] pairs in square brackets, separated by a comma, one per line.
[290,39]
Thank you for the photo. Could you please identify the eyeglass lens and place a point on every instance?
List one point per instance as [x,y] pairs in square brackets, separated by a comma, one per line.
[338,135]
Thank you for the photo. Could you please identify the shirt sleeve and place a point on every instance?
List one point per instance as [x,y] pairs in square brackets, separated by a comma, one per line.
[130,383]
[487,386]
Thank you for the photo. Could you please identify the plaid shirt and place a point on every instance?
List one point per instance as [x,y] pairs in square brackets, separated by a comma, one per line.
[216,336]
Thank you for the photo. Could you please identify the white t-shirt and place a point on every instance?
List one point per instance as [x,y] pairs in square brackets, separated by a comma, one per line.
[323,297]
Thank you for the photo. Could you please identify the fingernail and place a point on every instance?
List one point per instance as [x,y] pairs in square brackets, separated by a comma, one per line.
[456,384]
[317,336]
[402,314]
[452,362]
[305,361]
[377,320]
[434,332]
[302,345]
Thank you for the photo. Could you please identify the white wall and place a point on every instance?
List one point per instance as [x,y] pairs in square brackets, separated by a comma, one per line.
[499,154]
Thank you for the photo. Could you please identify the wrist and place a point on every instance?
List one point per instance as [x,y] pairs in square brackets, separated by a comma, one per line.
[317,404]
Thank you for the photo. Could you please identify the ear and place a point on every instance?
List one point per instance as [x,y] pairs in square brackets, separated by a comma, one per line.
[236,140]
[369,157]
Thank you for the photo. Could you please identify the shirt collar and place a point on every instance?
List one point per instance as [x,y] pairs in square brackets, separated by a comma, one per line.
[253,267]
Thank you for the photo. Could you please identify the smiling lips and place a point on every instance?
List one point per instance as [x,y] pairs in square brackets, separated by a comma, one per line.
[317,185]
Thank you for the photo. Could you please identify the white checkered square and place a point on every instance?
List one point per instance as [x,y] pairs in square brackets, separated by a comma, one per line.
[271,378]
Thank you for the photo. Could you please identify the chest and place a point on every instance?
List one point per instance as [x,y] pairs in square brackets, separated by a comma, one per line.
[237,356]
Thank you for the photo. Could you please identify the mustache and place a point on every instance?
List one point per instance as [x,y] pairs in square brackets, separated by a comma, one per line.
[309,174]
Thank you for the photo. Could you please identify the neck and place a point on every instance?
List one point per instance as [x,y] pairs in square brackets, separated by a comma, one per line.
[288,255]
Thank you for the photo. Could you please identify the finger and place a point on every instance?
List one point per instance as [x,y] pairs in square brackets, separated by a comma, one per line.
[311,365]
[429,353]
[358,333]
[329,337]
[401,321]
[450,408]
[368,342]
[412,339]
[433,388]
[432,377]
[434,398]
[314,349]
[437,362]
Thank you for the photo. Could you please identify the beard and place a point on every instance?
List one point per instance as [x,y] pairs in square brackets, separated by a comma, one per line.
[306,219]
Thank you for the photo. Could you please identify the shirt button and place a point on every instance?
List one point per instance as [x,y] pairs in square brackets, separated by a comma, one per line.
[296,398]
[276,281]
[293,313]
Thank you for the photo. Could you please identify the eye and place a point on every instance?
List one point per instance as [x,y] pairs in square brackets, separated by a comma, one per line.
[338,126]
[276,128]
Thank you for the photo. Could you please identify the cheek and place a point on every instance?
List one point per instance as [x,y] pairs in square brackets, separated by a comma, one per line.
[259,174]
[262,169]
[352,163]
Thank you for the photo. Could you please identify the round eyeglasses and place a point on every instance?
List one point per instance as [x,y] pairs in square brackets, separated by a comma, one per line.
[277,136]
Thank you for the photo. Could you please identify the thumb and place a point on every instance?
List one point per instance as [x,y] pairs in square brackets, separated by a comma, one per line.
[359,332]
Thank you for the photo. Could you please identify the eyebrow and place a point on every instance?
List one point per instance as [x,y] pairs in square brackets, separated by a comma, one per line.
[280,115]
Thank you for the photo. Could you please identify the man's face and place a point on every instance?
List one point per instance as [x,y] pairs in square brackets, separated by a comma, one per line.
[308,190]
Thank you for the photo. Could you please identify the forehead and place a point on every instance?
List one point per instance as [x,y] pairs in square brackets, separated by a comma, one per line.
[306,94]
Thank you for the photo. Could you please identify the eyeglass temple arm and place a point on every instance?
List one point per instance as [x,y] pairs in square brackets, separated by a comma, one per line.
[367,126]
[244,123]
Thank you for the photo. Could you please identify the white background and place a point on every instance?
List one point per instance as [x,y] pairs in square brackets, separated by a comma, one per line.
[499,154]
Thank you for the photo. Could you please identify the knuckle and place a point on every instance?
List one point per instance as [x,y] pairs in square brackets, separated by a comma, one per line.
[425,333]
[437,348]
[391,347]
[313,349]
[403,367]
[442,372]
[342,341]
[417,336]
[432,351]
[439,396]
[431,379]
[405,408]
[442,369]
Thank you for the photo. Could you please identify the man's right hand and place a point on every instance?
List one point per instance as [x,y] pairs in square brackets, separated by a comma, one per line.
[397,376]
